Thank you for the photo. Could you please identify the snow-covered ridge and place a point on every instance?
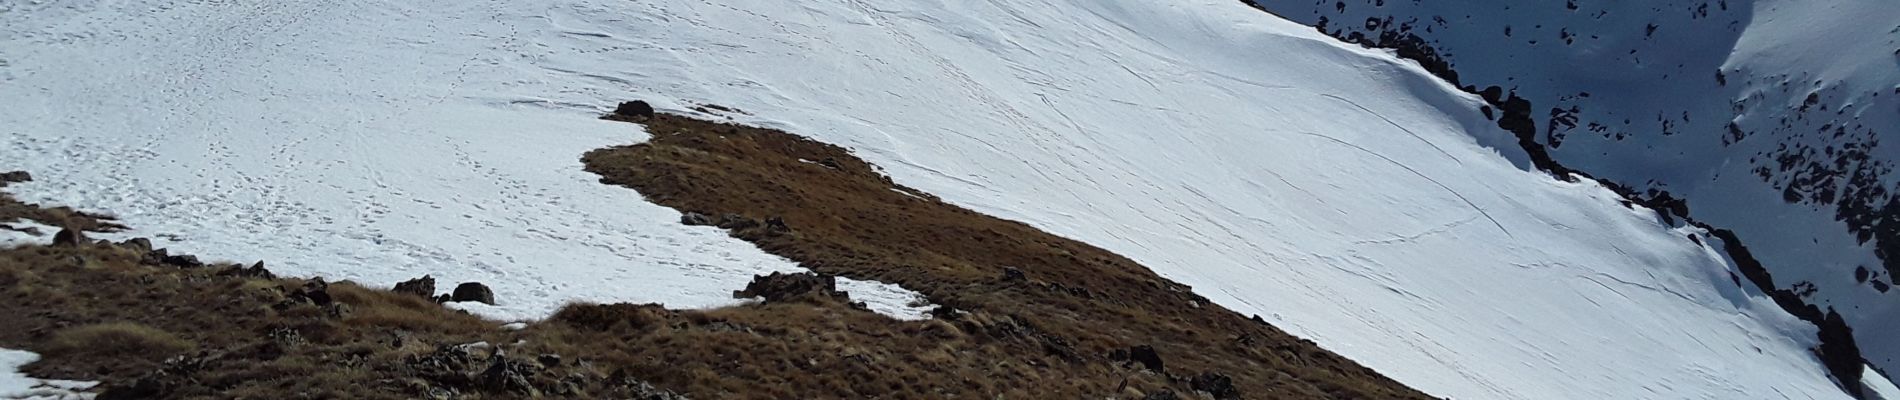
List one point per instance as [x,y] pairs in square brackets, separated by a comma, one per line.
[1344,195]
[1766,116]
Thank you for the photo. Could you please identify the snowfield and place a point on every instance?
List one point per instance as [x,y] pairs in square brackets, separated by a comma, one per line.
[1342,194]
[1766,115]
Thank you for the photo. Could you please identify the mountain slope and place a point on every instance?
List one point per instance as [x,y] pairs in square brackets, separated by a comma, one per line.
[1344,195]
[1765,116]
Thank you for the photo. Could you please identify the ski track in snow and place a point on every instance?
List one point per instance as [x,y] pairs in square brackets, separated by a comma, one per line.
[380,141]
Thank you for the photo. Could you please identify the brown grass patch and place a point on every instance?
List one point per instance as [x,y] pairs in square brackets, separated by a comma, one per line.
[1053,333]
[116,340]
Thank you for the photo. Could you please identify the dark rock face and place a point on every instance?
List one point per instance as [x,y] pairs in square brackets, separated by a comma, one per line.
[782,287]
[424,287]
[1840,354]
[634,108]
[1213,383]
[473,291]
[68,238]
[1146,355]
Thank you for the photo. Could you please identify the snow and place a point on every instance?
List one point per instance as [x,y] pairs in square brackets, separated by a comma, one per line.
[1342,194]
[17,385]
[888,299]
[1879,387]
[16,233]
[1647,73]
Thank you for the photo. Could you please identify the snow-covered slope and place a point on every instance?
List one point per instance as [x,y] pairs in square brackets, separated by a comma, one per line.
[1766,115]
[1343,194]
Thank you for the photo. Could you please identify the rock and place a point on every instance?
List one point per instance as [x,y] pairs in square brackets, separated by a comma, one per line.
[777,224]
[286,336]
[505,375]
[631,388]
[1014,275]
[154,257]
[947,313]
[549,360]
[473,291]
[1163,394]
[140,245]
[695,219]
[634,108]
[448,363]
[14,176]
[1146,355]
[424,287]
[316,292]
[1219,385]
[737,222]
[339,310]
[782,286]
[254,271]
[69,237]
[180,261]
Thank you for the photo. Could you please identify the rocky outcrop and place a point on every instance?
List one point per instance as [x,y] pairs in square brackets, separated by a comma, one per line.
[423,287]
[473,291]
[779,287]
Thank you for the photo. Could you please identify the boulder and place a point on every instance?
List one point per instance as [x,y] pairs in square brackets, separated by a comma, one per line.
[634,108]
[737,222]
[782,286]
[1146,355]
[14,176]
[180,260]
[254,271]
[509,376]
[68,237]
[695,219]
[139,245]
[1216,384]
[424,287]
[1011,274]
[316,291]
[473,291]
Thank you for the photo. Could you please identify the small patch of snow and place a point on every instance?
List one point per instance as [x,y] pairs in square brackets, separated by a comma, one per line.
[16,385]
[888,299]
[514,326]
[13,237]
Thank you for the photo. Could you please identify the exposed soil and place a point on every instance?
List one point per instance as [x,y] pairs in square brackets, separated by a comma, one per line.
[1036,315]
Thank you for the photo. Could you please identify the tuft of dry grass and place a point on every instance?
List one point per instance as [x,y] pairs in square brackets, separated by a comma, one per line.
[116,340]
